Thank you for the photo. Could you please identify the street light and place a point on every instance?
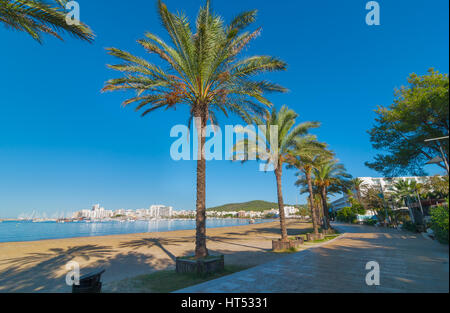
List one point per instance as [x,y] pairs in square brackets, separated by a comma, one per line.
[439,160]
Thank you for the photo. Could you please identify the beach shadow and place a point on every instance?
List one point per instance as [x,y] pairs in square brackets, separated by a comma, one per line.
[158,242]
[37,271]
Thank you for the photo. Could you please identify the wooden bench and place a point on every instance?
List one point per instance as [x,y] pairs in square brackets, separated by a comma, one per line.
[89,283]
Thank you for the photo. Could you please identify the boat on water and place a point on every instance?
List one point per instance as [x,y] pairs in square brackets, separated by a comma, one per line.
[252,221]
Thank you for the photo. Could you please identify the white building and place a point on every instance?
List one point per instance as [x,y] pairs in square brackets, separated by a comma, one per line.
[290,211]
[161,211]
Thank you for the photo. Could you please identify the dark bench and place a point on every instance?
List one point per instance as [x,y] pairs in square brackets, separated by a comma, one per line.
[89,283]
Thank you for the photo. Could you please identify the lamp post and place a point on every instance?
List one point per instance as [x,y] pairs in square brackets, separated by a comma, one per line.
[444,159]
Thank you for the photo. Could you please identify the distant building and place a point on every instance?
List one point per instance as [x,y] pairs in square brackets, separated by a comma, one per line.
[161,211]
[290,211]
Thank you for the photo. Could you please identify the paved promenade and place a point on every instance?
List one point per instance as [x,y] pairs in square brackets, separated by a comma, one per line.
[408,263]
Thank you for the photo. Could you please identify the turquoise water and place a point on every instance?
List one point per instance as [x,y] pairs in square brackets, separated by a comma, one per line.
[29,231]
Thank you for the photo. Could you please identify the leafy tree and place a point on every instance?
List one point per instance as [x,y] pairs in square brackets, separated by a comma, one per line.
[275,151]
[420,111]
[203,71]
[37,17]
[439,222]
[347,215]
[437,187]
[371,198]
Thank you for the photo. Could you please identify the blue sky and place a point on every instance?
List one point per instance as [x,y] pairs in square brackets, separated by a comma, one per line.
[65,146]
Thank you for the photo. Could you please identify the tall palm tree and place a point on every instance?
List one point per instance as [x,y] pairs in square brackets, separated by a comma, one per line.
[203,72]
[38,17]
[276,151]
[317,199]
[305,156]
[330,176]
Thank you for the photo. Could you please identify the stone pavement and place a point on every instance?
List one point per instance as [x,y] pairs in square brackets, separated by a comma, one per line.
[408,263]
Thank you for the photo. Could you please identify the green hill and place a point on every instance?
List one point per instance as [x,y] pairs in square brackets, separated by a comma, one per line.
[257,205]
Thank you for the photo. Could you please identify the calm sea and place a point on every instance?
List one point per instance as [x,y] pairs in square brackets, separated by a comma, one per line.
[29,231]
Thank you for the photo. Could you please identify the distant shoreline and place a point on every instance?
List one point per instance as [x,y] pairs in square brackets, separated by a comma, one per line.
[76,230]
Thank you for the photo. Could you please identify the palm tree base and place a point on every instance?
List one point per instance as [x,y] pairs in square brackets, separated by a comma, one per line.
[313,237]
[280,244]
[210,264]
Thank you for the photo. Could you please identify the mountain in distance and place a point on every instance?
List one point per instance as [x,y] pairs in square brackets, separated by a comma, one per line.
[256,205]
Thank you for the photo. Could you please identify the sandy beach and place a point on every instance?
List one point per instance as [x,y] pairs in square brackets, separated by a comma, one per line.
[40,266]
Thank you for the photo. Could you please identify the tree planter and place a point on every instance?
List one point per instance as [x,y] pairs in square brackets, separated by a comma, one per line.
[329,231]
[212,264]
[312,237]
[279,245]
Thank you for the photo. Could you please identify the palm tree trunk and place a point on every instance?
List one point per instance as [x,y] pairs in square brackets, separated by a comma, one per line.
[200,232]
[311,201]
[326,222]
[278,173]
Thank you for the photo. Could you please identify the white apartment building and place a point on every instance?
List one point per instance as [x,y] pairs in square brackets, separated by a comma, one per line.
[97,212]
[161,211]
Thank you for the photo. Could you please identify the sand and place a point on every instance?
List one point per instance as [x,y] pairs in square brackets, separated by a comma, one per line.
[40,266]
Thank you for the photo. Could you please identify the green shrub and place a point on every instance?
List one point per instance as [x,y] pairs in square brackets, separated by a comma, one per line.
[410,226]
[439,223]
[346,215]
[370,222]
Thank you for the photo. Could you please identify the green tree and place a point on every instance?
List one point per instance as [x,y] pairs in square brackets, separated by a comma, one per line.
[420,111]
[407,191]
[437,187]
[37,17]
[306,156]
[275,151]
[330,177]
[439,222]
[357,184]
[203,72]
[371,198]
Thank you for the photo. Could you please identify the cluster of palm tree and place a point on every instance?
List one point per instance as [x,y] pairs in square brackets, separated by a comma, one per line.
[203,71]
[320,174]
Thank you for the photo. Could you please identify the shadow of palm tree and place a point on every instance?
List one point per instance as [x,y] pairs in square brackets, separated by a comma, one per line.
[36,271]
[158,242]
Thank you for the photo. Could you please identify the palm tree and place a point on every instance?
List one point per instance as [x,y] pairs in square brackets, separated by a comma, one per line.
[405,190]
[203,73]
[37,17]
[305,156]
[330,177]
[358,184]
[276,151]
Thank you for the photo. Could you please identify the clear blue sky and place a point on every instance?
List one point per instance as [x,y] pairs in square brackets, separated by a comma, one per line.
[65,146]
